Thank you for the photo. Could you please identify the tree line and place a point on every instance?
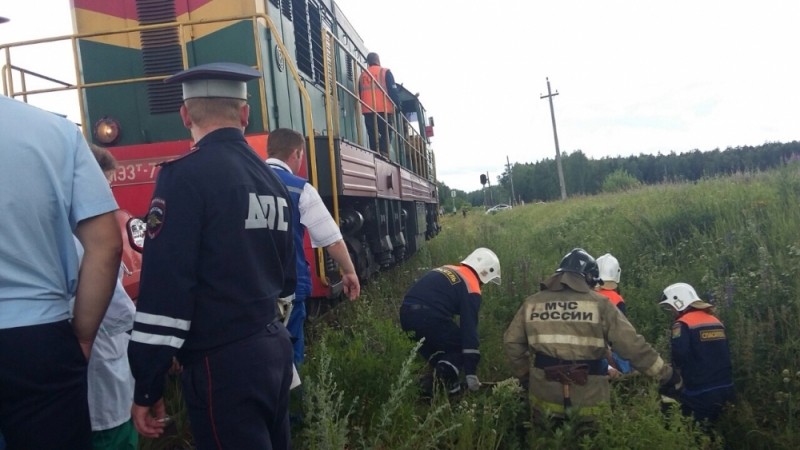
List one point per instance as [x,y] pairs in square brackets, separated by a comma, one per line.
[535,182]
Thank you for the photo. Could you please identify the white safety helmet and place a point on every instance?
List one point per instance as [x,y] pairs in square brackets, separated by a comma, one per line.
[681,296]
[609,268]
[485,263]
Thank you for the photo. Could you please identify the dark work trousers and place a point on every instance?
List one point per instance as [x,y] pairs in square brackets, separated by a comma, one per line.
[43,392]
[442,335]
[707,405]
[381,134]
[238,395]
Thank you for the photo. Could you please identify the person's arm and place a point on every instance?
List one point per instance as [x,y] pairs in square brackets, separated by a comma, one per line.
[339,253]
[169,275]
[468,321]
[102,244]
[324,232]
[515,344]
[391,89]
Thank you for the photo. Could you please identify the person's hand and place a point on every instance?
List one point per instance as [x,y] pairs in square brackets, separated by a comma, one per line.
[86,348]
[176,367]
[150,420]
[613,373]
[473,383]
[352,288]
[673,386]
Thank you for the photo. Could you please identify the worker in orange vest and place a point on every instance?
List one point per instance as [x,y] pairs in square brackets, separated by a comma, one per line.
[377,107]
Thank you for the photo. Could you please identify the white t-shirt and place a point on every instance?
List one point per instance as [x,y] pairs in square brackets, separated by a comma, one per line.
[109,374]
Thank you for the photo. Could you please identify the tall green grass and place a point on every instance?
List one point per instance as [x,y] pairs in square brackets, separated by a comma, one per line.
[735,239]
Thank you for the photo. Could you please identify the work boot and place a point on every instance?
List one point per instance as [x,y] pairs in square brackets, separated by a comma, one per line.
[447,374]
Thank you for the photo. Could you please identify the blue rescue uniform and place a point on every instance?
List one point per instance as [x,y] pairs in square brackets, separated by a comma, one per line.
[428,310]
[700,351]
[218,253]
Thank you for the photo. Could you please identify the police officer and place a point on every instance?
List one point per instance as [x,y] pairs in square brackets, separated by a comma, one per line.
[428,310]
[217,256]
[700,352]
[566,328]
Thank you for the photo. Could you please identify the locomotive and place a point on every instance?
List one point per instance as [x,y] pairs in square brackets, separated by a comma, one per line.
[310,57]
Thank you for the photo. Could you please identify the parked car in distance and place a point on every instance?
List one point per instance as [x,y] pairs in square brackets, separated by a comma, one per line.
[497,208]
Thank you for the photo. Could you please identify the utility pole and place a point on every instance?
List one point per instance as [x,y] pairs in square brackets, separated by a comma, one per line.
[489,180]
[550,96]
[511,178]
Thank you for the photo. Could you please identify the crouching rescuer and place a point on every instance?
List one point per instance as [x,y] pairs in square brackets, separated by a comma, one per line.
[428,310]
[566,328]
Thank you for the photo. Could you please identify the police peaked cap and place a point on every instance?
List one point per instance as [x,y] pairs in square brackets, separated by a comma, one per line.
[221,79]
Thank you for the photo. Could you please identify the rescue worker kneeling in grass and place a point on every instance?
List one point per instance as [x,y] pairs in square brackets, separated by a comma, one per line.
[428,310]
[566,328]
[700,352]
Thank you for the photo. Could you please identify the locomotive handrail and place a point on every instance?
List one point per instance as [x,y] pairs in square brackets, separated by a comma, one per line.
[420,159]
[80,86]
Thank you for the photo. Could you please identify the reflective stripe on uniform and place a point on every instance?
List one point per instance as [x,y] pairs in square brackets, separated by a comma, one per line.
[558,408]
[162,321]
[568,339]
[656,368]
[471,351]
[294,189]
[156,339]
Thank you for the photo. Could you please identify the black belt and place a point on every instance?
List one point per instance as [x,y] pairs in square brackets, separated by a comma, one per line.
[596,366]
[414,306]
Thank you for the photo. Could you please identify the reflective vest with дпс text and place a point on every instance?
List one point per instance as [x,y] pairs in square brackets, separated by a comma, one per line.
[372,88]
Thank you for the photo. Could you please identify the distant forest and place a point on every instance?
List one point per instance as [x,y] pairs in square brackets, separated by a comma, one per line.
[534,182]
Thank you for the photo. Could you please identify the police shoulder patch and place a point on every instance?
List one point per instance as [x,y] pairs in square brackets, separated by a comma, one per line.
[155,216]
[676,330]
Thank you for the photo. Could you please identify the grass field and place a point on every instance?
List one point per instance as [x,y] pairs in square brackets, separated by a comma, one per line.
[734,239]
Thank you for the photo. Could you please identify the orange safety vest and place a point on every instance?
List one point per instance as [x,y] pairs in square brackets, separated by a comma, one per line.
[466,274]
[612,295]
[371,94]
[699,318]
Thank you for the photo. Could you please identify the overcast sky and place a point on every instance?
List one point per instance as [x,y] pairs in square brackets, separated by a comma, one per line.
[632,76]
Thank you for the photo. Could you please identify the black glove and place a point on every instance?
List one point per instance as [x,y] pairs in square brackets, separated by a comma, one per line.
[524,382]
[673,386]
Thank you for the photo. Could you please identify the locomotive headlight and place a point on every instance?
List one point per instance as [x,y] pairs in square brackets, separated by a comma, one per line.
[106,131]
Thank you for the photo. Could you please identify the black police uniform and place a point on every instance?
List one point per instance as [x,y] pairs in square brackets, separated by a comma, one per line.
[218,254]
[428,310]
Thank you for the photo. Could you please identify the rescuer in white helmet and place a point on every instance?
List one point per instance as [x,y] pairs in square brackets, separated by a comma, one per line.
[609,273]
[428,310]
[566,328]
[700,353]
